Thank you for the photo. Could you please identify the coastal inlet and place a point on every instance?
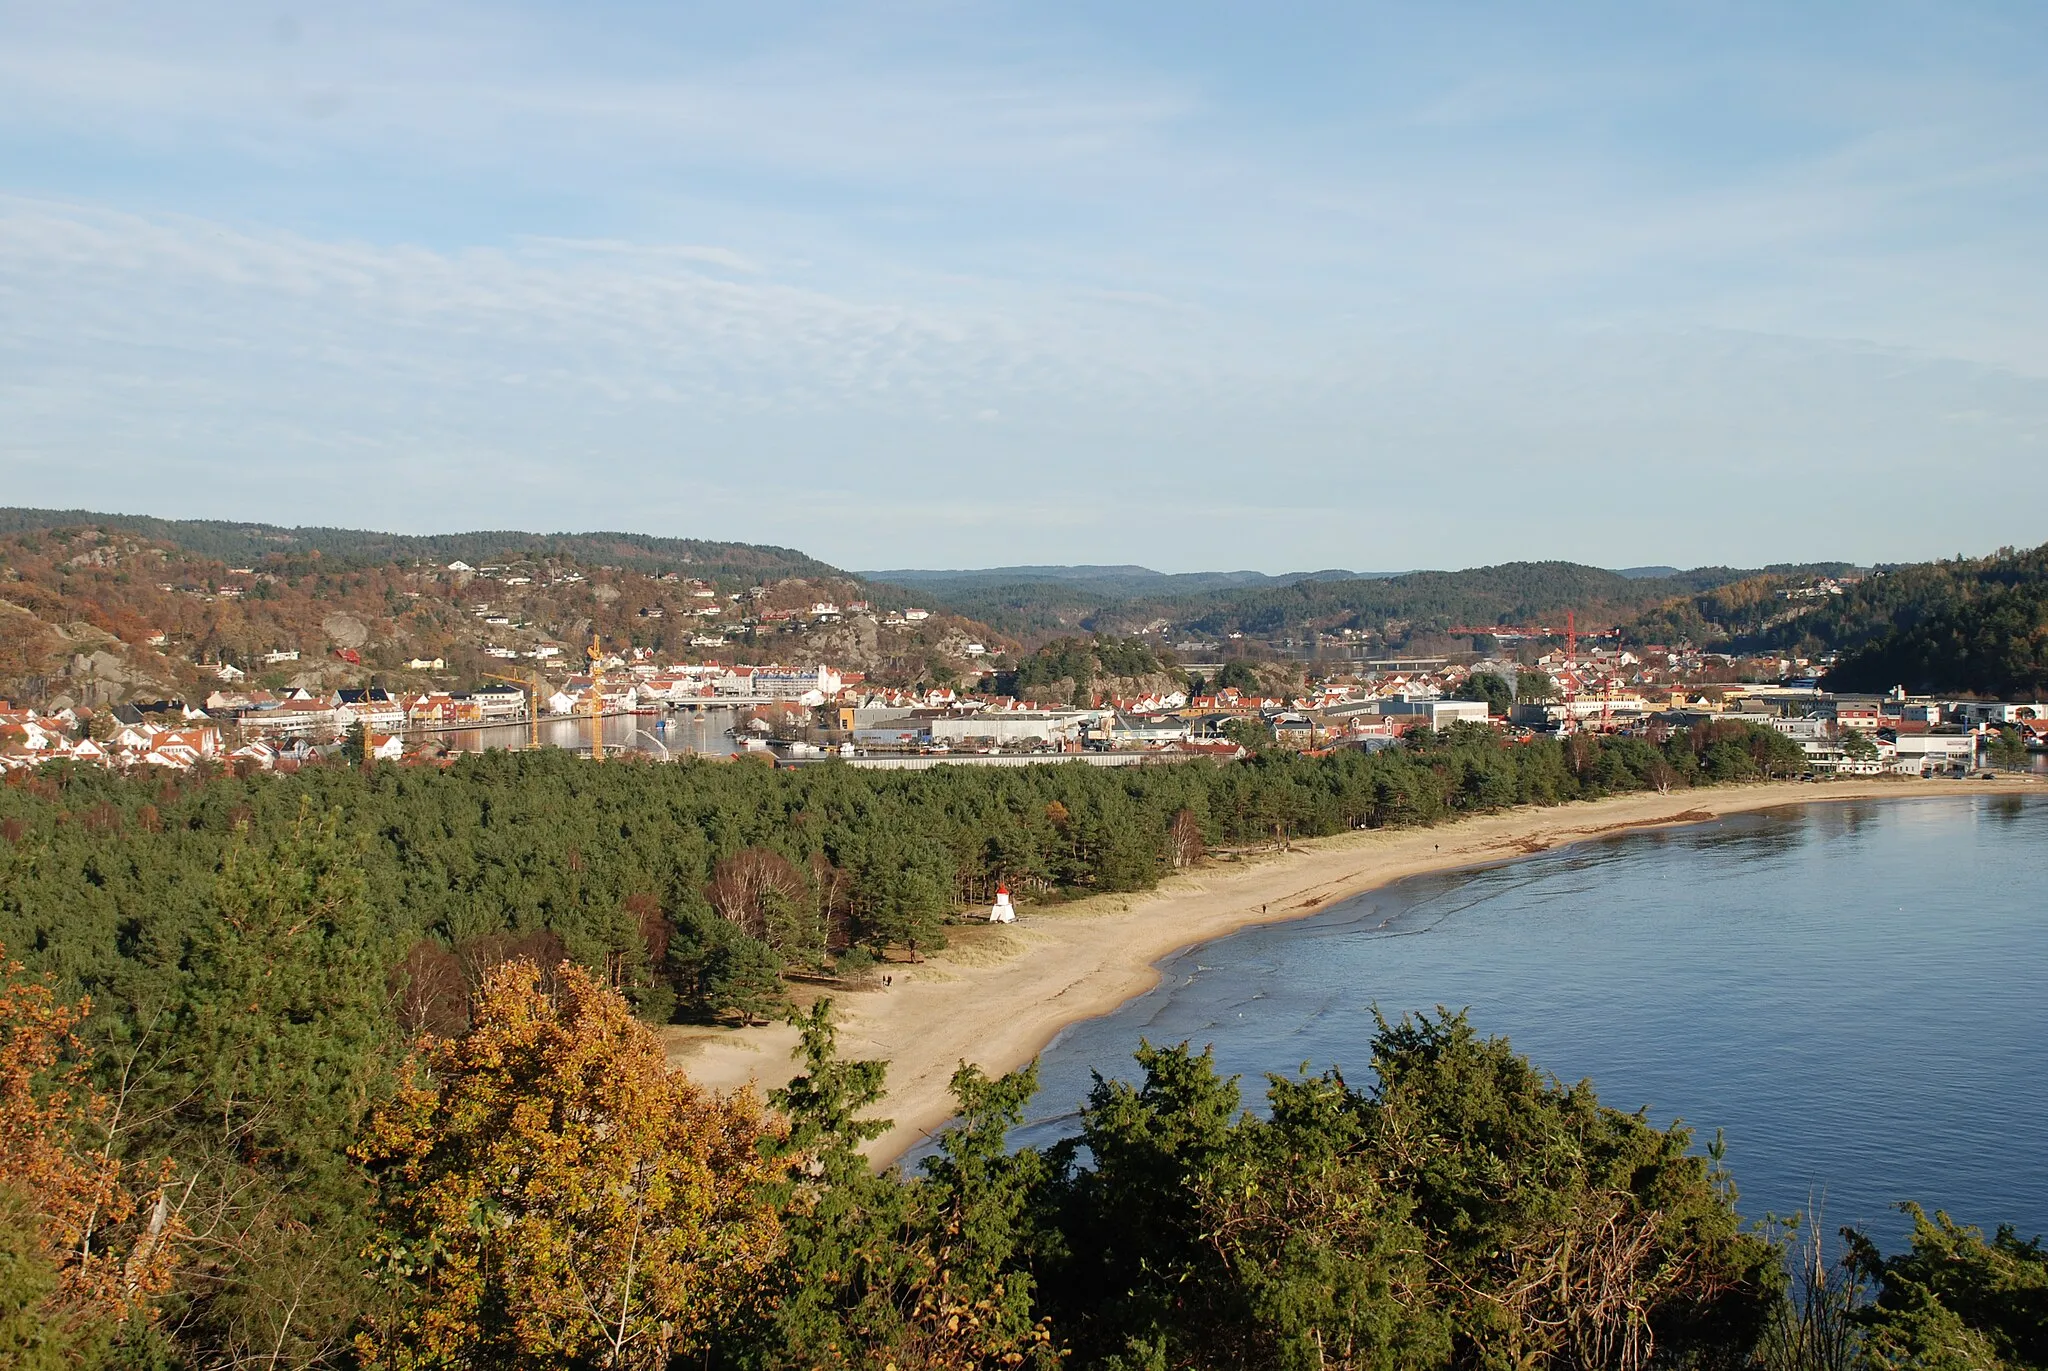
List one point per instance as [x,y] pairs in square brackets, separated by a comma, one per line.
[1852,992]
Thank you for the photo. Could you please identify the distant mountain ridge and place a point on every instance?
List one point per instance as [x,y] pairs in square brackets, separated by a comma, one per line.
[1110,581]
[245,542]
[1042,601]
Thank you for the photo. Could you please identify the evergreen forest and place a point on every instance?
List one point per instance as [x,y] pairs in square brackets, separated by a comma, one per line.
[1974,625]
[1969,626]
[359,1068]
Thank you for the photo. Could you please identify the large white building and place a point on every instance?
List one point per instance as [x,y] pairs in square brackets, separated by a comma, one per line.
[1008,727]
[1440,713]
[777,683]
[1935,751]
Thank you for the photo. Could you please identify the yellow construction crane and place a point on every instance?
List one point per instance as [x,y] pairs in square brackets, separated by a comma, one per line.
[533,684]
[596,699]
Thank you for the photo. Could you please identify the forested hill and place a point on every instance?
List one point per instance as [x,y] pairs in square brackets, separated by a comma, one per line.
[1511,593]
[1032,601]
[1036,601]
[244,544]
[1970,625]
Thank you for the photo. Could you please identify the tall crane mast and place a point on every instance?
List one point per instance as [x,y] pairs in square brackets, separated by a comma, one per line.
[533,684]
[596,653]
[1571,670]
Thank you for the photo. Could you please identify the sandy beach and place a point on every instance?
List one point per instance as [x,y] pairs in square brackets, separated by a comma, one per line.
[999,994]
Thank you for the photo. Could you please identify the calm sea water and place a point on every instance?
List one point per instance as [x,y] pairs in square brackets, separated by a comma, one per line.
[1857,994]
[705,732]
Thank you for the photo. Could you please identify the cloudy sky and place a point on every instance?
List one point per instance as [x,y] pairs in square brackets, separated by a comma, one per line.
[955,284]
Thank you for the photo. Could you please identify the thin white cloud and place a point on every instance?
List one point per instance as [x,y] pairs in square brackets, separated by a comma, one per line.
[682,252]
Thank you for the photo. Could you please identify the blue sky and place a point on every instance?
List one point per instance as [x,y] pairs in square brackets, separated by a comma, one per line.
[945,284]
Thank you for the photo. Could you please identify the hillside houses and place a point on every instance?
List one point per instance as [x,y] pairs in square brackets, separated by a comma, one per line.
[29,739]
[811,708]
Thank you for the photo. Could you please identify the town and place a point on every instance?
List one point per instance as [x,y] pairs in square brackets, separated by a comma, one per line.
[805,715]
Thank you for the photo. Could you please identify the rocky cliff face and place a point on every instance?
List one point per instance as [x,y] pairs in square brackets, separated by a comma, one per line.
[856,642]
[93,667]
[934,650]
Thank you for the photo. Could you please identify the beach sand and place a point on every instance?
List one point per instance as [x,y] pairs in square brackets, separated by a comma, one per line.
[1000,993]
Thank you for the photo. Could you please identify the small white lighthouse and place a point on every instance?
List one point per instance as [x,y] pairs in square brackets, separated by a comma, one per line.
[1002,913]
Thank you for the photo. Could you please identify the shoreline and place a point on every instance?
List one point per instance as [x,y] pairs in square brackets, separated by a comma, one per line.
[1000,993]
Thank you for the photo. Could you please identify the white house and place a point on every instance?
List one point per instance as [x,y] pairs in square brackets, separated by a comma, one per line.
[259,752]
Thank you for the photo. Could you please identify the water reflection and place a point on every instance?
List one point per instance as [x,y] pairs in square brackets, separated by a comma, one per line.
[2005,809]
[665,736]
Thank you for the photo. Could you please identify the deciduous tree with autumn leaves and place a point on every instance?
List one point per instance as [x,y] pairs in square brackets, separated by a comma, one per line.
[554,1195]
[85,1242]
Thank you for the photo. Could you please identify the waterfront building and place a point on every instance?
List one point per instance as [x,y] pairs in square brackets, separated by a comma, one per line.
[1003,728]
[1918,752]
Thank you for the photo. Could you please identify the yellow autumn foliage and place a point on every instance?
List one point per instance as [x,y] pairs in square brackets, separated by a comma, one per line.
[108,1249]
[553,1193]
